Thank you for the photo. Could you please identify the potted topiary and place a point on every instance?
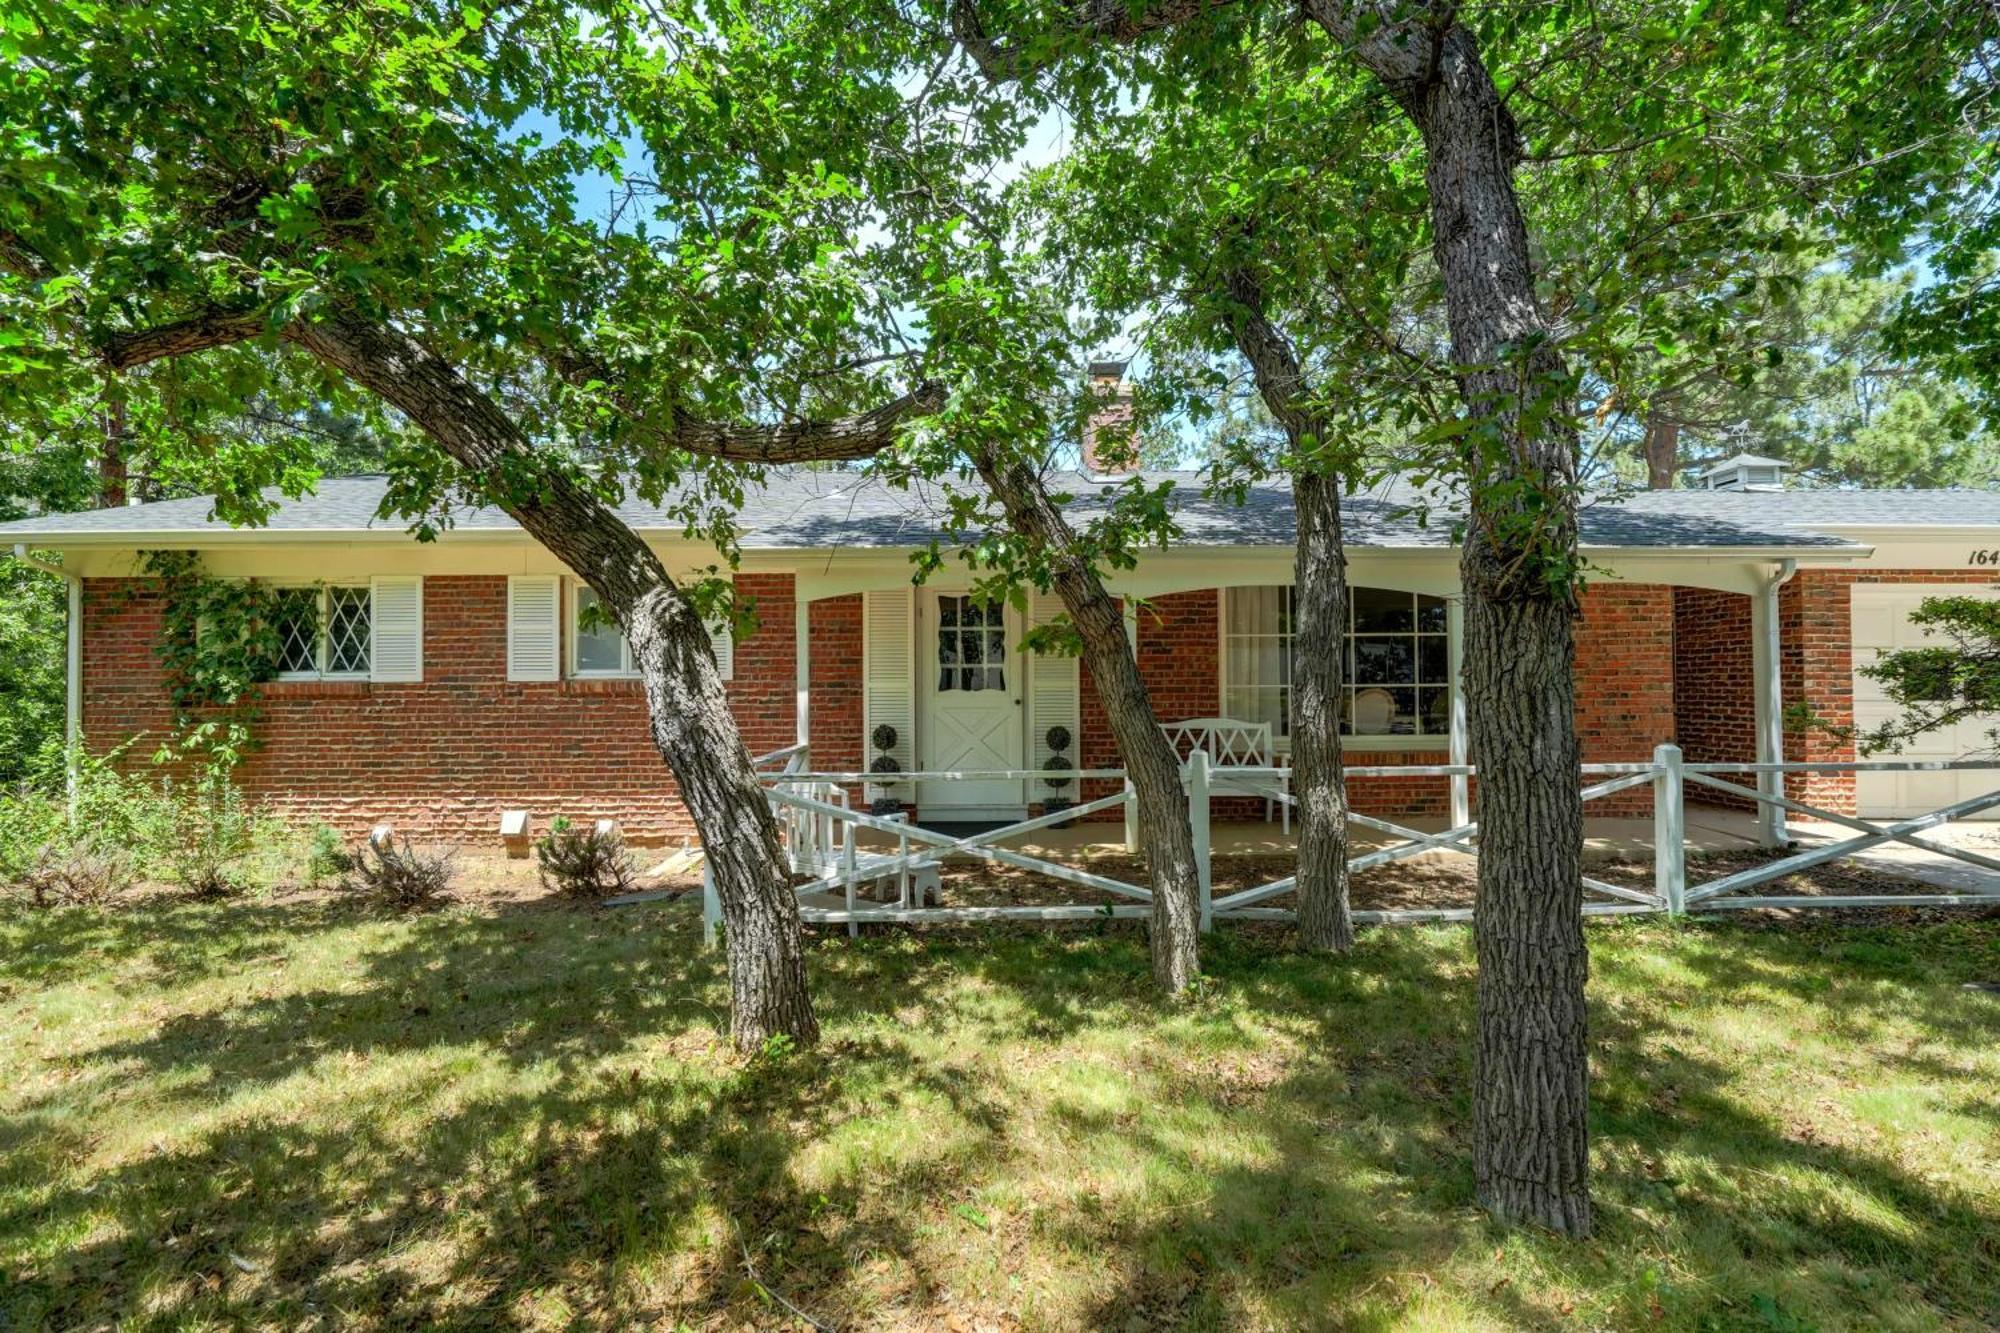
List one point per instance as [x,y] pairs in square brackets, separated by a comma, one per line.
[1061,772]
[883,798]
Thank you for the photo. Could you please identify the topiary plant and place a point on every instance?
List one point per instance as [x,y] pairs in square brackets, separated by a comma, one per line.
[1060,770]
[885,802]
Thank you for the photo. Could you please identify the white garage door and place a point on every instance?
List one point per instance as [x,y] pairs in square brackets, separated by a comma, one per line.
[1882,621]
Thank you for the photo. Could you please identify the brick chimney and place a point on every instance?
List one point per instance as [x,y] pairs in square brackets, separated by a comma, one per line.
[1109,448]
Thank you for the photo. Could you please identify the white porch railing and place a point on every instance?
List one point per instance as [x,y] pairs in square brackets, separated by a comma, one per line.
[845,881]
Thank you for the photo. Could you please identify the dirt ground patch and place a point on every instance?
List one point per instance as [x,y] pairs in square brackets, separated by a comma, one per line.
[1435,881]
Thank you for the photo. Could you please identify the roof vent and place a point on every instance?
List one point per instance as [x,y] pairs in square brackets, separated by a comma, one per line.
[1746,472]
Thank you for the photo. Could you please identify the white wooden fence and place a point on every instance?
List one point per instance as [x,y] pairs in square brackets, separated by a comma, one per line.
[845,881]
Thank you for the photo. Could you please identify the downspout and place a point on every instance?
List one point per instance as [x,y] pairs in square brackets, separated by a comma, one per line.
[72,661]
[1771,742]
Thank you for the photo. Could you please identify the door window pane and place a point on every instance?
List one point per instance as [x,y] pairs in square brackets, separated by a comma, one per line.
[971,644]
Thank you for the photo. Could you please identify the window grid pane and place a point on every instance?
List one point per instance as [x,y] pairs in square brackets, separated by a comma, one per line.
[349,633]
[1397,655]
[298,631]
[972,644]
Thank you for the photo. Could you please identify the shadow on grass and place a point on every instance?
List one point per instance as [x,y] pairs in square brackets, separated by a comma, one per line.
[606,1179]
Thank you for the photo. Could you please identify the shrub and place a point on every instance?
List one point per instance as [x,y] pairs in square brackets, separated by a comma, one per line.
[327,859]
[60,845]
[580,862]
[400,876]
[202,833]
[71,874]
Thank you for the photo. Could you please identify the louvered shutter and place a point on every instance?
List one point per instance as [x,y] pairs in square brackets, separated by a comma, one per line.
[396,606]
[889,684]
[534,627]
[1052,685]
[723,640]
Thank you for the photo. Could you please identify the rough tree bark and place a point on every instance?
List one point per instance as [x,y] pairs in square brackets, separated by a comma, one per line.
[687,704]
[1319,624]
[686,701]
[1531,1074]
[1663,452]
[113,468]
[1166,839]
[1531,1084]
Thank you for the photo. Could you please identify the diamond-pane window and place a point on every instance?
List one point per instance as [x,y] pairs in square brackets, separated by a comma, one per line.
[349,632]
[298,631]
[325,631]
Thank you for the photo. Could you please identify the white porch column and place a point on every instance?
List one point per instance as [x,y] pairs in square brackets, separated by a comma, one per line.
[1461,786]
[802,631]
[1765,665]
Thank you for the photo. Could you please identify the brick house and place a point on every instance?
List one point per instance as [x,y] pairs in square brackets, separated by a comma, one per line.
[451,680]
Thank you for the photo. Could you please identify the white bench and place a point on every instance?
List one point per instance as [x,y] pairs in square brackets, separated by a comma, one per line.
[1232,743]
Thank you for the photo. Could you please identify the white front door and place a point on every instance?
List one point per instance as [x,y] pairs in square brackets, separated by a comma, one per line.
[1881,617]
[972,690]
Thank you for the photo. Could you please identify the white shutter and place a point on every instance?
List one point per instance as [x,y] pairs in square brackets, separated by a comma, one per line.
[722,639]
[724,643]
[1052,685]
[396,606]
[888,664]
[534,627]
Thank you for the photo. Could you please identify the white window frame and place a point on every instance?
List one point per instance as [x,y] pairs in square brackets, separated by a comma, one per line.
[322,646]
[1426,740]
[573,591]
[572,609]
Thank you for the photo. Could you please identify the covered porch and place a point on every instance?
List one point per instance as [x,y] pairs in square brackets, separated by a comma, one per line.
[944,680]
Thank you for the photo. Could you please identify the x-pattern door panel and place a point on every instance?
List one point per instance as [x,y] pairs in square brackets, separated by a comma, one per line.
[972,701]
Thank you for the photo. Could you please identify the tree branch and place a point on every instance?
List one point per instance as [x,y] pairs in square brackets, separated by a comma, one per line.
[857,435]
[1280,378]
[211,328]
[837,439]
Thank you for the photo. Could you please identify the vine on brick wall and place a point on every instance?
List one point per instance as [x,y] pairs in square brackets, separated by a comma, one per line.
[221,639]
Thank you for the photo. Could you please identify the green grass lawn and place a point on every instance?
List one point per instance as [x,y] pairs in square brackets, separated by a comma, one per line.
[295,1113]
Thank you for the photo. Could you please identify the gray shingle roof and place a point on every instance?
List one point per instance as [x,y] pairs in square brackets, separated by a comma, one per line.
[803,509]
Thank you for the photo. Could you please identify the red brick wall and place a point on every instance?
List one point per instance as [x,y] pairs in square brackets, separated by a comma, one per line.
[443,758]
[833,658]
[1625,693]
[1715,683]
[446,756]
[1624,681]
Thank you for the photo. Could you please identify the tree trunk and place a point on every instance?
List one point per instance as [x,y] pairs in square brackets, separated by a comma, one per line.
[1319,624]
[1531,1145]
[1166,839]
[113,471]
[691,723]
[1319,642]
[1663,452]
